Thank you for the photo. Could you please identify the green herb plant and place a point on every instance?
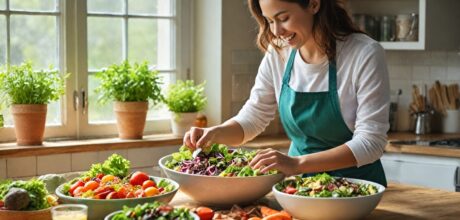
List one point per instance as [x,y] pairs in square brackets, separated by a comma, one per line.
[185,96]
[129,83]
[22,85]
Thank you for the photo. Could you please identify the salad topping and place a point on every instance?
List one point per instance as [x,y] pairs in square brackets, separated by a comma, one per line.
[217,160]
[324,185]
[155,210]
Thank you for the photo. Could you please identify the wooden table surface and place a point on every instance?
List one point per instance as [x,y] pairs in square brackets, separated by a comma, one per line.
[398,202]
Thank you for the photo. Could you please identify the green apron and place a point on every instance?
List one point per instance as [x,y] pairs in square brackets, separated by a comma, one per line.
[314,123]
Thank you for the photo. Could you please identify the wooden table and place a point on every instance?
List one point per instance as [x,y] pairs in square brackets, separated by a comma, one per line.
[398,202]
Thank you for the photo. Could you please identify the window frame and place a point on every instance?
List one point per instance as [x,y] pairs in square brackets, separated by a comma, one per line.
[72,49]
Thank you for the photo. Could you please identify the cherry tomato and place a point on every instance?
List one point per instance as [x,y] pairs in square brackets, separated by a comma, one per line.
[122,192]
[107,178]
[138,178]
[130,195]
[204,213]
[151,191]
[100,175]
[91,185]
[79,190]
[112,195]
[75,185]
[148,183]
[290,190]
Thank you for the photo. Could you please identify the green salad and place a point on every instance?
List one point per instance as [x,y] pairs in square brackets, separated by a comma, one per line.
[218,160]
[155,210]
[324,185]
[25,195]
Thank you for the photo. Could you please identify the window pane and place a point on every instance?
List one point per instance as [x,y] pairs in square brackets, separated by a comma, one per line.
[104,42]
[152,7]
[2,40]
[107,6]
[146,42]
[2,4]
[34,5]
[161,111]
[98,113]
[34,38]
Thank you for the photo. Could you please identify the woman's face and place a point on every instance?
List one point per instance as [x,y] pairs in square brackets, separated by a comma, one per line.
[289,21]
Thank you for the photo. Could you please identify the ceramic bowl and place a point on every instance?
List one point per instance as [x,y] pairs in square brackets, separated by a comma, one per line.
[303,207]
[99,208]
[221,191]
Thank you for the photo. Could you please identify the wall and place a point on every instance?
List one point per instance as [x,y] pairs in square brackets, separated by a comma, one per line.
[407,68]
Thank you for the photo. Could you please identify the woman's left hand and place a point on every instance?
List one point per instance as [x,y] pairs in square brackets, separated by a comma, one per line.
[270,159]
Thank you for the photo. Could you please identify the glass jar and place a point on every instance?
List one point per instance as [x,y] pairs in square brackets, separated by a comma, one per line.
[387,28]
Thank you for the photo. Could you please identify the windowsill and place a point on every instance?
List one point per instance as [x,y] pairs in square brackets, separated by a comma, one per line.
[161,140]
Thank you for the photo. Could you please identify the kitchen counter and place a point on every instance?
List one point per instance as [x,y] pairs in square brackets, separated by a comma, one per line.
[442,151]
[398,202]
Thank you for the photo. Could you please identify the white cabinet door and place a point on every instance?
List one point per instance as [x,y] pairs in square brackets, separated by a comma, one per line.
[429,175]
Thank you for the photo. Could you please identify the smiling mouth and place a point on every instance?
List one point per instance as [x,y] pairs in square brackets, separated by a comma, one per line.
[288,38]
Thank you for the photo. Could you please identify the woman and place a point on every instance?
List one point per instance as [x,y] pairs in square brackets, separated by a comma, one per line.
[330,84]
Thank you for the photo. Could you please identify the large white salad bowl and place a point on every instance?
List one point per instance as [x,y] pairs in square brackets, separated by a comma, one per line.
[221,191]
[303,207]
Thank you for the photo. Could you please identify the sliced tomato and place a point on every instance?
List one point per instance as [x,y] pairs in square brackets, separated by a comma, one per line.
[75,185]
[112,195]
[204,213]
[290,190]
[130,195]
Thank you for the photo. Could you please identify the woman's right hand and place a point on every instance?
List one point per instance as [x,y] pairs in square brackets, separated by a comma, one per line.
[200,137]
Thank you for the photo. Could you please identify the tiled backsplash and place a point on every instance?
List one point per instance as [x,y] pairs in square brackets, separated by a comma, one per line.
[145,159]
[405,68]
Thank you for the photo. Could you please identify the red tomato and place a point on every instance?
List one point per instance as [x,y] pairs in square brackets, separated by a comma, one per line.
[204,213]
[75,185]
[290,190]
[122,192]
[91,185]
[100,175]
[79,190]
[148,183]
[151,191]
[102,192]
[138,178]
[130,195]
[112,195]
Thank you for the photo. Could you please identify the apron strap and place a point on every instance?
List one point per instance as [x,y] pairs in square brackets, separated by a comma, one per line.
[332,76]
[287,71]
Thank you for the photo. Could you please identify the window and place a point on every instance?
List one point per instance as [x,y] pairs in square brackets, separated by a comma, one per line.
[83,37]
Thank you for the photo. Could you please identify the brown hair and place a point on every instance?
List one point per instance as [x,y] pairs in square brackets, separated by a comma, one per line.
[330,23]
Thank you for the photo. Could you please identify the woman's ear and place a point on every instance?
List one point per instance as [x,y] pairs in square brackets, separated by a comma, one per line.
[315,5]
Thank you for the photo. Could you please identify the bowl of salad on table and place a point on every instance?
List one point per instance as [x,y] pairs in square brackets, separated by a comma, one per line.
[219,175]
[154,210]
[25,200]
[109,186]
[326,197]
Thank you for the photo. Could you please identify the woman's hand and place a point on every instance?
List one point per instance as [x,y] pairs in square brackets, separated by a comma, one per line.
[269,159]
[200,137]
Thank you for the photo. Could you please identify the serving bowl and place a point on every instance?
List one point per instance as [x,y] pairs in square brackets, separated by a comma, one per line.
[304,207]
[99,208]
[221,191]
[110,216]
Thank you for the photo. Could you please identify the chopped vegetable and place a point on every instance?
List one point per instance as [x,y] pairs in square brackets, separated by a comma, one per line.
[36,189]
[324,185]
[155,210]
[217,160]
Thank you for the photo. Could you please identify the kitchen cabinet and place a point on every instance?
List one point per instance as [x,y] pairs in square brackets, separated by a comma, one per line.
[437,27]
[421,170]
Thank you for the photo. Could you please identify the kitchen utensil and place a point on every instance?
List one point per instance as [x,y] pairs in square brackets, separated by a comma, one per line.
[221,191]
[303,207]
[99,208]
[451,121]
[422,123]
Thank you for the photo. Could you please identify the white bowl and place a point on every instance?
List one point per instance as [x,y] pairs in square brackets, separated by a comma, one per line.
[221,191]
[303,207]
[99,208]
[110,216]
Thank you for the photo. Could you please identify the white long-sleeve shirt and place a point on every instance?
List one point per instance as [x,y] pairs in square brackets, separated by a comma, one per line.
[363,89]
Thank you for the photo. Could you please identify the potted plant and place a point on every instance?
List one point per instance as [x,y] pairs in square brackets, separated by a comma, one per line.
[130,87]
[28,92]
[184,99]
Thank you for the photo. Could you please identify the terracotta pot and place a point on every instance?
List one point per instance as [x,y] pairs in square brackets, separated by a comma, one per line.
[29,123]
[130,119]
[44,214]
[182,122]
